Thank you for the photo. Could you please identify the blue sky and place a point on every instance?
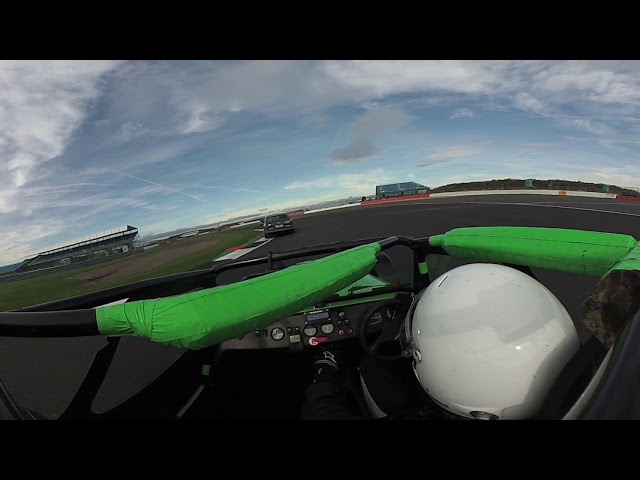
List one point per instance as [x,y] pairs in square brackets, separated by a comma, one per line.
[86,146]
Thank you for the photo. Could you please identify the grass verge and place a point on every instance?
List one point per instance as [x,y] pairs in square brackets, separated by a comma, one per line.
[56,286]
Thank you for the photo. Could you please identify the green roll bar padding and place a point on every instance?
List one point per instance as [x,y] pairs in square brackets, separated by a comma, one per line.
[573,251]
[423,268]
[437,240]
[631,261]
[199,319]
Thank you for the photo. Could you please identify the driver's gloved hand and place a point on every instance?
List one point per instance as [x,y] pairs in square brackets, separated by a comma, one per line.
[325,366]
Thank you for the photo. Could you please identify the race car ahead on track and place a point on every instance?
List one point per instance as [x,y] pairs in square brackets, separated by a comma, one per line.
[277,224]
[484,340]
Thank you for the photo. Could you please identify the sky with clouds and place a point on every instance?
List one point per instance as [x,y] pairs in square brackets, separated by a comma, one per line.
[87,146]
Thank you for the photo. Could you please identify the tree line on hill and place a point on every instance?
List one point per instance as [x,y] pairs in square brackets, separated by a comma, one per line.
[519,184]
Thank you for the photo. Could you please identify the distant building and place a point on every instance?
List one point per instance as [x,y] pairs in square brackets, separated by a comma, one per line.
[400,189]
[103,244]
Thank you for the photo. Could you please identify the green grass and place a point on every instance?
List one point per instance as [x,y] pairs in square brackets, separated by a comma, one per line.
[60,285]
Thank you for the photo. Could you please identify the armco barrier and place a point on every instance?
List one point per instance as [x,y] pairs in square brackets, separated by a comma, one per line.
[495,192]
[396,199]
[590,194]
[563,193]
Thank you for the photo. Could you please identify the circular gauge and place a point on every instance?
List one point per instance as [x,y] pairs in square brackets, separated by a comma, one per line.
[277,334]
[310,330]
[328,328]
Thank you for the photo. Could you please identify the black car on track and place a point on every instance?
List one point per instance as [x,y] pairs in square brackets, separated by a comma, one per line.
[278,223]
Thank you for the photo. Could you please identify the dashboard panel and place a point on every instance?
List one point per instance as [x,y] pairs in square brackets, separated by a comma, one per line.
[308,329]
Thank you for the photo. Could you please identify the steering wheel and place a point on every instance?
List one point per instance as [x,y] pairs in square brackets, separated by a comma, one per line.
[380,328]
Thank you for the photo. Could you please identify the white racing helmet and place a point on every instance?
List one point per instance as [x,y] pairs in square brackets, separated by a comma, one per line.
[488,341]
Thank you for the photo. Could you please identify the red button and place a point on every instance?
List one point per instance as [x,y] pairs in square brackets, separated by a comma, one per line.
[348,331]
[317,340]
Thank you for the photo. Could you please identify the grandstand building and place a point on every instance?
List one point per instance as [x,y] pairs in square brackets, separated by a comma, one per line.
[8,269]
[400,189]
[103,244]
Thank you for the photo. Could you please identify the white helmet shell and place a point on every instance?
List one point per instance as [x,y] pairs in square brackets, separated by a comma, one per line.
[488,341]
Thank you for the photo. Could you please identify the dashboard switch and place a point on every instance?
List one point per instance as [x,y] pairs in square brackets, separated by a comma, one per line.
[348,331]
[313,341]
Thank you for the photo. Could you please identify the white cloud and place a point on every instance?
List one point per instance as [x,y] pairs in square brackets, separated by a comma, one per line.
[157,185]
[596,127]
[17,240]
[198,96]
[380,78]
[230,189]
[198,121]
[42,103]
[527,102]
[194,97]
[540,87]
[603,82]
[350,183]
[269,207]
[130,130]
[46,212]
[203,94]
[462,113]
[625,176]
[140,157]
[446,154]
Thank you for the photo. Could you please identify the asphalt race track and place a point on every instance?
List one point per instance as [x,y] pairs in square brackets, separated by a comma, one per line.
[43,374]
[432,216]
